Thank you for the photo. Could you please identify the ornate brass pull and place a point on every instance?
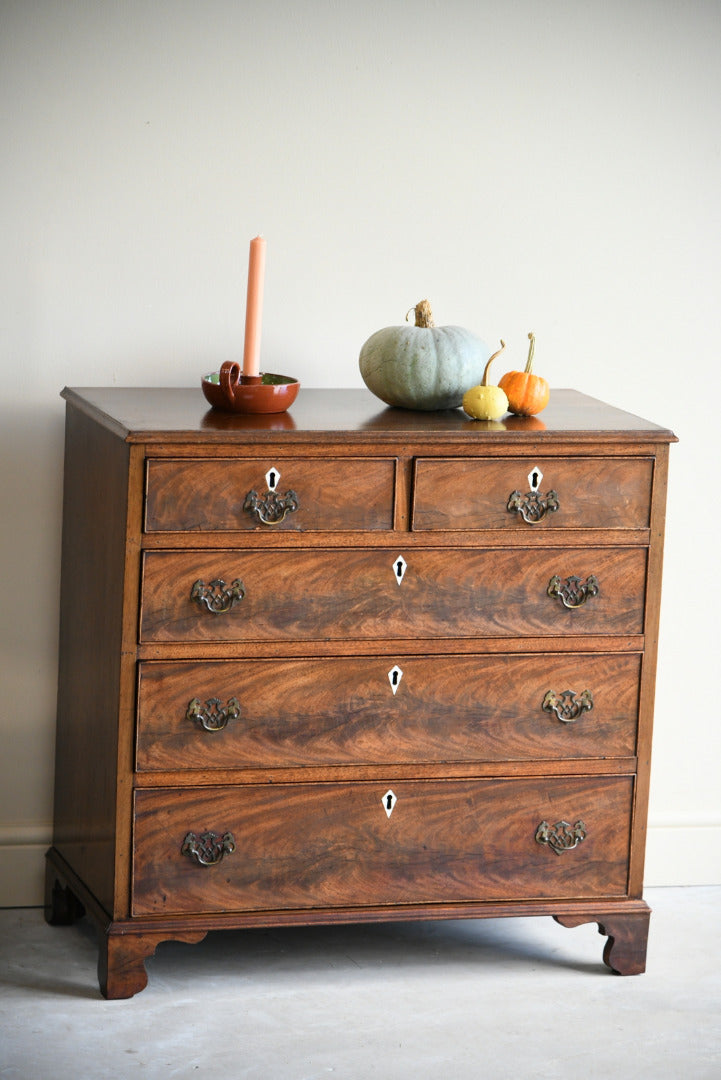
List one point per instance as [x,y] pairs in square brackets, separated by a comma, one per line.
[566,705]
[572,592]
[213,716]
[216,597]
[271,508]
[562,836]
[534,505]
[208,848]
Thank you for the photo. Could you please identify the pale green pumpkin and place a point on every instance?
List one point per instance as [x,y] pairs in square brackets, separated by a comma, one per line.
[423,366]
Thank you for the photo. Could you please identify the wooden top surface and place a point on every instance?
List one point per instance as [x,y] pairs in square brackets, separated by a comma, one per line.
[158,414]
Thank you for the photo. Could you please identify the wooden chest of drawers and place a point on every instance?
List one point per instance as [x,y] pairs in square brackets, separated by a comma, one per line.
[350,664]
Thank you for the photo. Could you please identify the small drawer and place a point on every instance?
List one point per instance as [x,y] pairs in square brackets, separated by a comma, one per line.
[277,493]
[378,710]
[359,594]
[531,493]
[302,846]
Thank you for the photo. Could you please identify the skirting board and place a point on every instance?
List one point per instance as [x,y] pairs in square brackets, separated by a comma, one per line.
[675,855]
[683,854]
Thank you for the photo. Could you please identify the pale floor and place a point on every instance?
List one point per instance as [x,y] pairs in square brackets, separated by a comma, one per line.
[485,1000]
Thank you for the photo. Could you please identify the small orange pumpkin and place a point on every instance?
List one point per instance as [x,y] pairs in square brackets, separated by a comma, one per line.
[527,393]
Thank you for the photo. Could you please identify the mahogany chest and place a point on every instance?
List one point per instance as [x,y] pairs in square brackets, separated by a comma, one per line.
[351,663]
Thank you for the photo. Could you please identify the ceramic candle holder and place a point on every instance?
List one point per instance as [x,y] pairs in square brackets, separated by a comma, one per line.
[231,391]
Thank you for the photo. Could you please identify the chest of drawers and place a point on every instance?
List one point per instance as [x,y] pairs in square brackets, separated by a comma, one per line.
[350,664]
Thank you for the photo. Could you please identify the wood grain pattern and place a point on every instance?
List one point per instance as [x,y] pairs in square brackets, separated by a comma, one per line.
[648,671]
[627,933]
[204,495]
[95,501]
[593,493]
[341,711]
[316,594]
[158,416]
[308,846]
[121,958]
[154,482]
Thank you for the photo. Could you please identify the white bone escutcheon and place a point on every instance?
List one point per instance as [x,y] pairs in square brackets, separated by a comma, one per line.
[534,478]
[271,478]
[394,678]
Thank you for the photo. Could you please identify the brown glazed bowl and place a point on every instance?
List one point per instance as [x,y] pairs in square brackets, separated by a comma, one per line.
[231,391]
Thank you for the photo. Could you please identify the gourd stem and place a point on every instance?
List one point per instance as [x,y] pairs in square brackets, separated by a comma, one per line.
[484,380]
[531,350]
[423,313]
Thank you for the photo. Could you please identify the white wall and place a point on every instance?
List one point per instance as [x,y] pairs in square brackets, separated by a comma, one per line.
[551,165]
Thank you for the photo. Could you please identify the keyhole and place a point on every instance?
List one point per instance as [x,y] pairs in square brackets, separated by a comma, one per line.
[271,478]
[534,478]
[399,568]
[389,801]
[394,677]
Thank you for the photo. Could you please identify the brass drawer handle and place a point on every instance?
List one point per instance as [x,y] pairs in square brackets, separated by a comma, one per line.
[566,705]
[216,597]
[208,848]
[533,506]
[213,716]
[271,508]
[572,592]
[562,836]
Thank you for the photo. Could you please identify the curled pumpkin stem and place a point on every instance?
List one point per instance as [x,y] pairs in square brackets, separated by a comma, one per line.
[484,380]
[531,350]
[423,313]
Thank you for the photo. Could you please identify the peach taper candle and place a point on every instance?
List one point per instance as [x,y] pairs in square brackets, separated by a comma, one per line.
[254,308]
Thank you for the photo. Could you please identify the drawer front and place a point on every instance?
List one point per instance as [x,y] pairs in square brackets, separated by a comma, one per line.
[532,493]
[381,710]
[241,494]
[352,594]
[304,846]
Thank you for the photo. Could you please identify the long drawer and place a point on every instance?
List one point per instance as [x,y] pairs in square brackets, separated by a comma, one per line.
[354,593]
[241,494]
[380,710]
[304,846]
[518,493]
